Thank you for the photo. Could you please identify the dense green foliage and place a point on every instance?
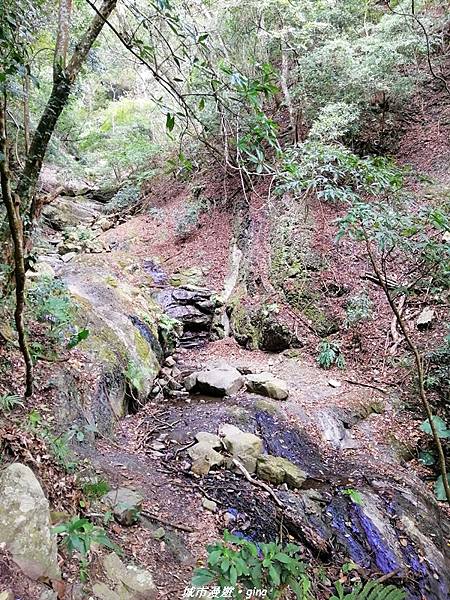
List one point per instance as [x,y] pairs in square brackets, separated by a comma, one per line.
[243,566]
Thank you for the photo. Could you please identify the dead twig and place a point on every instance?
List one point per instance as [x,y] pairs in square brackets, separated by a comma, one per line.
[367,385]
[153,517]
[260,484]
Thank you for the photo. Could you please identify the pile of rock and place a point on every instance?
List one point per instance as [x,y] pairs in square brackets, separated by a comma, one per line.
[231,445]
[194,307]
[169,383]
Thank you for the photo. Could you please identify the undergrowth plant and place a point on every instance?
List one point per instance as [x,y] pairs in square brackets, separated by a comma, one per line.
[240,569]
[78,536]
[243,565]
[330,354]
[392,232]
[335,174]
[8,402]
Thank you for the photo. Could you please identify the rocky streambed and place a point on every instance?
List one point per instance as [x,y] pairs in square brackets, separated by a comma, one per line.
[194,426]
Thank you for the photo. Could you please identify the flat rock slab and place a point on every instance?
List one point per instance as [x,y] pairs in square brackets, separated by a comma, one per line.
[25,527]
[266,384]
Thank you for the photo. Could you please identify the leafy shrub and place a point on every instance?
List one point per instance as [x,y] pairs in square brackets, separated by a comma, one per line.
[334,121]
[358,309]
[9,402]
[243,565]
[125,199]
[51,304]
[93,490]
[335,173]
[330,354]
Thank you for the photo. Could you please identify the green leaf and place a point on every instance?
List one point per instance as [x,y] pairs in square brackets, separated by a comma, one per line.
[283,558]
[439,489]
[202,577]
[440,425]
[170,122]
[233,575]
[427,458]
[79,337]
[274,575]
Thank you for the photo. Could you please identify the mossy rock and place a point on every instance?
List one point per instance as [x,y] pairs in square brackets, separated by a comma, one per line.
[123,324]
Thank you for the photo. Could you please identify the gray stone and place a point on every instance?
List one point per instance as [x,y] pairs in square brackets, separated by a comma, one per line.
[209,504]
[210,438]
[278,470]
[190,381]
[170,361]
[126,505]
[158,533]
[244,446]
[426,318]
[6,596]
[25,528]
[204,457]
[268,385]
[221,381]
[136,579]
[128,582]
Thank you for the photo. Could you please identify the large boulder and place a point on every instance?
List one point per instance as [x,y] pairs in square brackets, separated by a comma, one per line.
[266,384]
[244,446]
[223,380]
[25,528]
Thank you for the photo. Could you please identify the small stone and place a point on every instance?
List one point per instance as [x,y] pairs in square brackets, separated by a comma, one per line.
[244,446]
[334,383]
[7,595]
[170,361]
[426,318]
[159,533]
[176,373]
[68,256]
[204,457]
[209,504]
[126,505]
[131,576]
[102,591]
[190,381]
[278,470]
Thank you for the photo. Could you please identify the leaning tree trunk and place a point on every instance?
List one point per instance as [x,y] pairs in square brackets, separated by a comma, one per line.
[63,80]
[15,225]
[22,207]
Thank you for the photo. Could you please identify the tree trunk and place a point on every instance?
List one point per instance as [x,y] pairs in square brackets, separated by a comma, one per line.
[26,109]
[15,226]
[419,366]
[64,79]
